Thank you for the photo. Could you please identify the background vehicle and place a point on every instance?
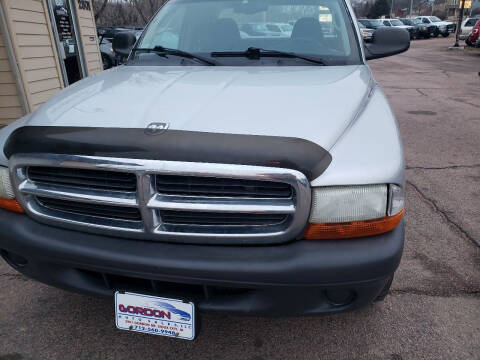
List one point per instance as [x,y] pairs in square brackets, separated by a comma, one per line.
[474,37]
[422,30]
[286,29]
[108,55]
[259,29]
[108,32]
[365,32]
[467,27]
[445,28]
[397,23]
[372,23]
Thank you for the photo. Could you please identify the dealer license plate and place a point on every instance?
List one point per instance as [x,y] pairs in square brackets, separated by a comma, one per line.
[155,315]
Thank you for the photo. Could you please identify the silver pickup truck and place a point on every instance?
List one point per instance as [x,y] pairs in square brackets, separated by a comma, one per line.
[215,170]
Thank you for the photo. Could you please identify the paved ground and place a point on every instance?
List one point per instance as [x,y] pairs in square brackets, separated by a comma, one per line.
[433,311]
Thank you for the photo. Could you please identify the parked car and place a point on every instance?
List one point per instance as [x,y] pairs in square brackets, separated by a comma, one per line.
[372,23]
[474,37]
[216,177]
[445,28]
[286,29]
[108,32]
[365,32]
[467,27]
[280,29]
[396,22]
[260,29]
[422,30]
[108,55]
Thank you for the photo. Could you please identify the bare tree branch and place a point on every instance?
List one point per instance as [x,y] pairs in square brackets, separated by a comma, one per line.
[100,11]
[139,9]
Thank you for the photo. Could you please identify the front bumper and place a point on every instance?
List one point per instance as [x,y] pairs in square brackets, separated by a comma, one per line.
[301,277]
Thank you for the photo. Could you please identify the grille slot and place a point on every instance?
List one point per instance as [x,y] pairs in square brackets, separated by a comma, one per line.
[83,178]
[218,218]
[221,187]
[103,211]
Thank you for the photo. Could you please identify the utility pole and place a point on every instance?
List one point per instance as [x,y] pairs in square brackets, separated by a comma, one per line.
[391,9]
[459,24]
[411,6]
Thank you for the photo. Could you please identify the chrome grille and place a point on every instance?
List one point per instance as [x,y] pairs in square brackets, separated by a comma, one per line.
[163,200]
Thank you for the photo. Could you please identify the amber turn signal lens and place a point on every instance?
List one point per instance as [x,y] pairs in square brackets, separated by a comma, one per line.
[11,205]
[353,229]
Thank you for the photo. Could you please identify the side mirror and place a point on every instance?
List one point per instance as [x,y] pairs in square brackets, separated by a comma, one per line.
[123,43]
[387,41]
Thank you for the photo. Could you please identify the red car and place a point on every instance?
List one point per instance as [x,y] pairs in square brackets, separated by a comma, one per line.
[474,38]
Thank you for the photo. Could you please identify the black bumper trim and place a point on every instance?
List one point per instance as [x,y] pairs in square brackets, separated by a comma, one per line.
[299,263]
[302,269]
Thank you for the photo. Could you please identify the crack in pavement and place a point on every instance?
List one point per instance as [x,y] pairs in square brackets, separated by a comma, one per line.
[421,92]
[442,213]
[443,167]
[465,102]
[14,276]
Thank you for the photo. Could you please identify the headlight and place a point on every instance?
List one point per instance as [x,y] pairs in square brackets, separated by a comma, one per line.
[7,197]
[354,211]
[424,28]
[6,189]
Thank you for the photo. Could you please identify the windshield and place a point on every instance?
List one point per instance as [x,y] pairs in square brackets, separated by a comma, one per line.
[319,29]
[396,22]
[434,19]
[416,21]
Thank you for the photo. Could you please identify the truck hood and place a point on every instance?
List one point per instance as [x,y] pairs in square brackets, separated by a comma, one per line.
[310,102]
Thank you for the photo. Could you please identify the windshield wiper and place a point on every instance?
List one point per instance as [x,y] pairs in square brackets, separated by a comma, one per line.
[167,51]
[257,53]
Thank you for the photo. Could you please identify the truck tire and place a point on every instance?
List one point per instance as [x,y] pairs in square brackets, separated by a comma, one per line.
[385,290]
[445,35]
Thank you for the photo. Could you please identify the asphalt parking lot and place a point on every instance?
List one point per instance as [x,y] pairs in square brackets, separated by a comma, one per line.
[433,310]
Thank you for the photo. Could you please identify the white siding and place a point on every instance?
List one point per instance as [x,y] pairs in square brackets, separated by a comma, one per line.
[10,106]
[35,50]
[88,33]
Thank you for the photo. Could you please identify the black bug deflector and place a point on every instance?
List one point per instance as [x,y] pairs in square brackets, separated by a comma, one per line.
[173,145]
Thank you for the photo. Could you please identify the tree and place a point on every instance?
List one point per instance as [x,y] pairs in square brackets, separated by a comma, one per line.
[380,8]
[99,8]
[146,8]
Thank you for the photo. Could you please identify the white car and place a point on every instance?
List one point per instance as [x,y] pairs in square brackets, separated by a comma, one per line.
[366,33]
[445,27]
[401,25]
[467,27]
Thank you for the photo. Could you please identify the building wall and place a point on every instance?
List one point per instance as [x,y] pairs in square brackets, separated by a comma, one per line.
[10,105]
[88,33]
[33,43]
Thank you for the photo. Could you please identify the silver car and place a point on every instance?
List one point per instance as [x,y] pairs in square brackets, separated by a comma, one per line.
[258,175]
